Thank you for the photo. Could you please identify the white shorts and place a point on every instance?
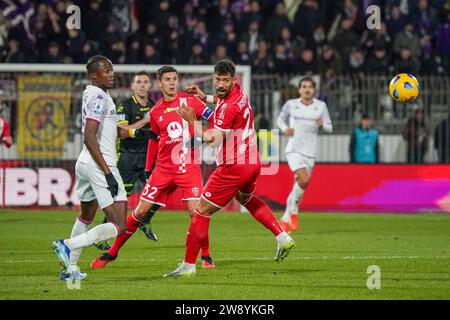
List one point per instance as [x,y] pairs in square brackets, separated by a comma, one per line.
[91,184]
[298,161]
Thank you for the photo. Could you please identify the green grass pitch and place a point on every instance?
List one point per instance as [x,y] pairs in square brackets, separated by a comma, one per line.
[330,260]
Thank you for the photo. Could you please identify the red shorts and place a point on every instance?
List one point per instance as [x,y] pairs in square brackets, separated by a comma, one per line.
[228,180]
[160,185]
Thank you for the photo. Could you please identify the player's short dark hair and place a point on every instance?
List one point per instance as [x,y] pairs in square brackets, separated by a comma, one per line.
[365,116]
[94,63]
[309,79]
[141,73]
[160,72]
[225,67]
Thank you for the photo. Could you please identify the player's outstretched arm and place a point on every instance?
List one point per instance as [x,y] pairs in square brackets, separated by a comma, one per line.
[137,125]
[214,137]
[195,90]
[188,114]
[140,133]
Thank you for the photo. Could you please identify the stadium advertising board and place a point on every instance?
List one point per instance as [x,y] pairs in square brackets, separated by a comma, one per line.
[367,188]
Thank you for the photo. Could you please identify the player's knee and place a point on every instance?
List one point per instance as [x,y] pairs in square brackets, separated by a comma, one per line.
[238,197]
[191,212]
[140,212]
[242,198]
[140,215]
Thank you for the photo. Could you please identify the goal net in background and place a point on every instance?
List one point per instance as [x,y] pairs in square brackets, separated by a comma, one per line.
[42,102]
[43,105]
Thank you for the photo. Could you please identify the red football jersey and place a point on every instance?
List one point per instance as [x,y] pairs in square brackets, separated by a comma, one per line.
[234,115]
[4,131]
[175,133]
[152,153]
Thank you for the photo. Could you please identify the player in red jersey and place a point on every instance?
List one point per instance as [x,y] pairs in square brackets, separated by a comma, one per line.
[175,165]
[5,135]
[238,167]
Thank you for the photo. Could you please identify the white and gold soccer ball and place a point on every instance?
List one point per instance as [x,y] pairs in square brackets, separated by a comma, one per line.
[404,87]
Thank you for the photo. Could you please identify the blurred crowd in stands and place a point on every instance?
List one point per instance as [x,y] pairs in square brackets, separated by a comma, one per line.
[305,36]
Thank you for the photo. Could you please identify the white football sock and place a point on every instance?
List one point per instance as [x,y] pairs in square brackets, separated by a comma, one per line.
[99,233]
[188,266]
[287,212]
[292,202]
[297,195]
[283,237]
[79,227]
[72,269]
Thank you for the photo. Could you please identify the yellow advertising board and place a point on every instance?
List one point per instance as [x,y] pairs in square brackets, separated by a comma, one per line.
[269,145]
[44,106]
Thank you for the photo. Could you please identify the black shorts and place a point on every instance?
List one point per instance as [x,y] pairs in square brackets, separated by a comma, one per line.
[131,167]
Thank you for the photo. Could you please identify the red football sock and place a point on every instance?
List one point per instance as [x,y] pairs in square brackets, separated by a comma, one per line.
[197,236]
[261,212]
[132,224]
[205,249]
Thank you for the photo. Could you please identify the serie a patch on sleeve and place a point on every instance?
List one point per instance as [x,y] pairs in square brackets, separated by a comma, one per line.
[207,113]
[120,118]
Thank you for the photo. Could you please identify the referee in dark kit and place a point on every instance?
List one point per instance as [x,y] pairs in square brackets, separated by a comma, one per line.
[131,153]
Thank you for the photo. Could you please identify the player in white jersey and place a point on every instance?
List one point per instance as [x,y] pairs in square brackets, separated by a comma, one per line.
[300,119]
[98,181]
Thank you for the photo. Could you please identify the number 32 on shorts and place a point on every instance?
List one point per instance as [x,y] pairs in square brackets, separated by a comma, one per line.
[146,191]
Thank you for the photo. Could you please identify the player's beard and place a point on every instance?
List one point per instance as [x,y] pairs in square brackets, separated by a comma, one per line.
[222,92]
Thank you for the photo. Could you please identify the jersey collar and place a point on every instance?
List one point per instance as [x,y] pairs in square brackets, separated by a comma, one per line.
[91,85]
[235,92]
[137,102]
[307,105]
[169,101]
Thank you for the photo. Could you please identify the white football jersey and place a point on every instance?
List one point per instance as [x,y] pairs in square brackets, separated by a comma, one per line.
[303,119]
[99,106]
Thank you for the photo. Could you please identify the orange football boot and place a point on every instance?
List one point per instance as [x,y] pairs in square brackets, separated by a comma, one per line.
[207,263]
[294,222]
[102,261]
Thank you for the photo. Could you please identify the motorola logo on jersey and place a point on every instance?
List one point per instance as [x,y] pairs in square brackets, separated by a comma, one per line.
[174,130]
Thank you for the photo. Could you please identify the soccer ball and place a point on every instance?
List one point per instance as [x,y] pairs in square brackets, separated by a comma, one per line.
[404,87]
